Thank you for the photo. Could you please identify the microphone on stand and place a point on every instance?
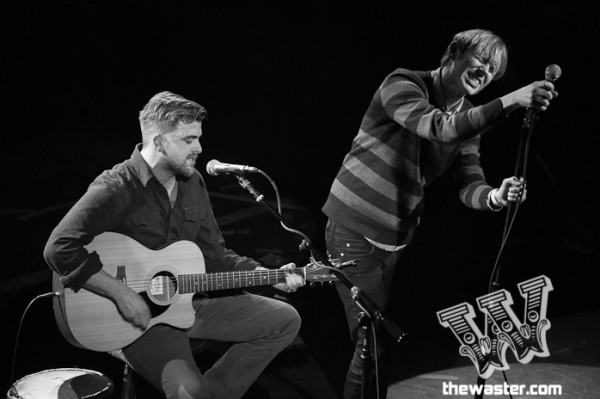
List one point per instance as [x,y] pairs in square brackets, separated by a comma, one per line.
[215,168]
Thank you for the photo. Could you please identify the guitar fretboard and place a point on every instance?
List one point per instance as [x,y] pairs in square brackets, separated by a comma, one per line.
[190,283]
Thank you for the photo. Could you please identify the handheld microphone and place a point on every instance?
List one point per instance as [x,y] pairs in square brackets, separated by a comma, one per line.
[551,74]
[215,168]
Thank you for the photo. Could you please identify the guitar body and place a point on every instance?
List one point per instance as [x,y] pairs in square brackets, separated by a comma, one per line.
[93,322]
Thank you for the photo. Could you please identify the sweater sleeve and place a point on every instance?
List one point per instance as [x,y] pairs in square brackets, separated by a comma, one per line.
[404,97]
[469,176]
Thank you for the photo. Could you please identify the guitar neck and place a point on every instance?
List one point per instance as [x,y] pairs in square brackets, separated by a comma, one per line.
[192,283]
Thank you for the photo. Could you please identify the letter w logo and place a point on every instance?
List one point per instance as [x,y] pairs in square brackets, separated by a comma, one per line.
[526,340]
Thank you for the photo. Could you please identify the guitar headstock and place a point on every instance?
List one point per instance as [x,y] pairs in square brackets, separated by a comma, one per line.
[316,272]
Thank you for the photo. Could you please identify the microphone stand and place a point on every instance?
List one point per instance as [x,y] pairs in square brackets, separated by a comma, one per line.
[531,117]
[552,73]
[370,311]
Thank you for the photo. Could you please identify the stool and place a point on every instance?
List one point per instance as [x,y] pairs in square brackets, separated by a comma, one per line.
[130,377]
[129,389]
[62,383]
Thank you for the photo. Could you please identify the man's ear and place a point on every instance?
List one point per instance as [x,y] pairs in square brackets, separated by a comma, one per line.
[453,51]
[158,140]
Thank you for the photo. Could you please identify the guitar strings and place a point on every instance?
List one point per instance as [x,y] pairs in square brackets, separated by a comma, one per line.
[215,279]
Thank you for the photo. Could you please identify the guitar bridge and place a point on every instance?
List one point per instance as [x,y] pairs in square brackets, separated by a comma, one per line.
[121,275]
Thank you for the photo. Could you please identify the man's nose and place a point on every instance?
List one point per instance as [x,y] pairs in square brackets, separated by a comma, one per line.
[198,147]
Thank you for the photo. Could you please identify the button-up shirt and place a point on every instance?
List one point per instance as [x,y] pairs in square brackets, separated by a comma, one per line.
[129,199]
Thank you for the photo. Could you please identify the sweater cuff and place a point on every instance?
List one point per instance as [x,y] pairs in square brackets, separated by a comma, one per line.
[494,111]
[492,202]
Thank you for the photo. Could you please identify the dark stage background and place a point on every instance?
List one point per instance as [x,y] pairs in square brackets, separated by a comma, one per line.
[286,87]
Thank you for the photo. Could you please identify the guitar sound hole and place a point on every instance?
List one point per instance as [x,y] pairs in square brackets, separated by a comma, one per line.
[163,287]
[155,309]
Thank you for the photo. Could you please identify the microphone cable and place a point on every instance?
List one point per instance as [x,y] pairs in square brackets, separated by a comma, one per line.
[511,215]
[12,370]
[552,73]
[279,210]
[520,171]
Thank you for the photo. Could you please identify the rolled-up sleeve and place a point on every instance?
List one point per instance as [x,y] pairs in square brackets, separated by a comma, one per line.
[65,251]
[69,276]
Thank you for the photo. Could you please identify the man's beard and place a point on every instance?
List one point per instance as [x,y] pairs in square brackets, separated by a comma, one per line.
[184,168]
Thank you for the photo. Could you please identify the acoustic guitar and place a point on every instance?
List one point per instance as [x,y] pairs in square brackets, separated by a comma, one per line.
[166,278]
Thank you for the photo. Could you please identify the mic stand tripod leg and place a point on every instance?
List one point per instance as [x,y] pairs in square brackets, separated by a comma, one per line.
[480,383]
[366,357]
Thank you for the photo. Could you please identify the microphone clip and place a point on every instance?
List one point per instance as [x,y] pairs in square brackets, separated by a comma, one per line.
[246,185]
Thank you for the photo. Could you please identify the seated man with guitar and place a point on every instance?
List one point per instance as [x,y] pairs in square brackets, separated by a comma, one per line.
[131,253]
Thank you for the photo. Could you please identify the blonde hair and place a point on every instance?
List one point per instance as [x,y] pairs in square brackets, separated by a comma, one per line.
[486,45]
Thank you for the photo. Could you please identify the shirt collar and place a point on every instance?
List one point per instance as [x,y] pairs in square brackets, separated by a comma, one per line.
[140,165]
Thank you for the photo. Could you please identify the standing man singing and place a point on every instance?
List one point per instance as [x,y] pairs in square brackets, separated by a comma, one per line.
[157,197]
[418,125]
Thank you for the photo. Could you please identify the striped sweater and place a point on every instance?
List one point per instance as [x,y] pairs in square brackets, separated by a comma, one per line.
[405,141]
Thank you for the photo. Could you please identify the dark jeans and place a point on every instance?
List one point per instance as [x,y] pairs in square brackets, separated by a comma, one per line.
[259,327]
[373,274]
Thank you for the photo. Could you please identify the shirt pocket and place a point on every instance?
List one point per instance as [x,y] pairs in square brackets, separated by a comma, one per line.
[146,218]
[193,218]
[193,214]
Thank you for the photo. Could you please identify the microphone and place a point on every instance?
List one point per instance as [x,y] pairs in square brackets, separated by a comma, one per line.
[215,168]
[552,73]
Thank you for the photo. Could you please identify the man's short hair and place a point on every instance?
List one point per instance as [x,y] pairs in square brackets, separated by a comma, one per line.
[165,110]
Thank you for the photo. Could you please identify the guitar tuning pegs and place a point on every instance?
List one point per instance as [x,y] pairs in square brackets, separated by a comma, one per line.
[320,283]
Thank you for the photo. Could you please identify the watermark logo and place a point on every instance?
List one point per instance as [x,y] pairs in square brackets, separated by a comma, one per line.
[503,328]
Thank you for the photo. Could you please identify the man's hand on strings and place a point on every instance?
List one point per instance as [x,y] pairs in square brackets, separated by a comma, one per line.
[293,281]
